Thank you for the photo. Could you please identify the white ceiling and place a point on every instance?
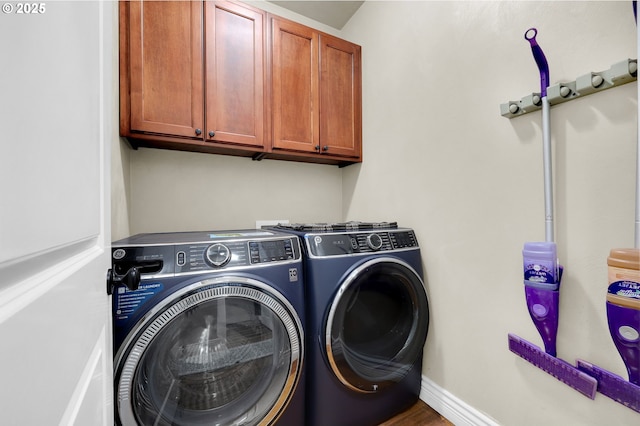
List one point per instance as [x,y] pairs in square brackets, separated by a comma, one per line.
[332,13]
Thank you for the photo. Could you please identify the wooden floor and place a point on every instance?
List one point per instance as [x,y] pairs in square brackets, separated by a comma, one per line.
[418,415]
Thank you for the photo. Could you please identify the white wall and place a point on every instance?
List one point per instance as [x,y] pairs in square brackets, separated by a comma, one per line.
[120,189]
[440,158]
[182,191]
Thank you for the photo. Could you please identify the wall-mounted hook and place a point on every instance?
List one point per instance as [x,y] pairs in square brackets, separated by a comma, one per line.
[620,73]
[562,92]
[529,103]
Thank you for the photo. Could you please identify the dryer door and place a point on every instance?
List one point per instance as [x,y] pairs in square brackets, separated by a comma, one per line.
[377,325]
[221,352]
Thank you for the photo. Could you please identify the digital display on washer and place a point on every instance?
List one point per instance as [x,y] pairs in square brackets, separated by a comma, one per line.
[332,245]
[403,239]
[270,251]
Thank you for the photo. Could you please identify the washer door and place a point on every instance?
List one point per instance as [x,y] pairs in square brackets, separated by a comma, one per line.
[377,325]
[224,351]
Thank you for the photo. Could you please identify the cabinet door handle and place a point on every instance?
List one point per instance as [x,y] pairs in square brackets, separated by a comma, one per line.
[211,133]
[325,148]
[318,148]
[198,132]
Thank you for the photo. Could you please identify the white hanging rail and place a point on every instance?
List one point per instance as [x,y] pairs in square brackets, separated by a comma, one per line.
[620,73]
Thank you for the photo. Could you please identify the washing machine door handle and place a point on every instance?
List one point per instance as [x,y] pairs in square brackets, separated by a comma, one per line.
[131,279]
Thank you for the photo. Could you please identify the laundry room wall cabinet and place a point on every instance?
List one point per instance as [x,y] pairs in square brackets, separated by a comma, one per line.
[225,78]
[192,76]
[317,91]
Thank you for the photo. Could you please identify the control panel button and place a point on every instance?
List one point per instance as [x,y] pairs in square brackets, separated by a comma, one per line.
[354,243]
[254,252]
[288,250]
[218,255]
[374,241]
[181,258]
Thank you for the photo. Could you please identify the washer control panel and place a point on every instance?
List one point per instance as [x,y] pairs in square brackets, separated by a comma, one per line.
[156,255]
[229,254]
[336,244]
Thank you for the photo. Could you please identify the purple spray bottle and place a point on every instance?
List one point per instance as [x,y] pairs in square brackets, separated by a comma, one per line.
[541,287]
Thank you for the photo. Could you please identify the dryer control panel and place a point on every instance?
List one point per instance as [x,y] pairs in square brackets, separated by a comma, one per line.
[340,244]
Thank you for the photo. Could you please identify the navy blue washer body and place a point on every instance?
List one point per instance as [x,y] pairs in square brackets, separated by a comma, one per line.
[204,279]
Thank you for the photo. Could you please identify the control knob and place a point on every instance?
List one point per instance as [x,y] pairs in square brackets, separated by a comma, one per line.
[217,255]
[374,242]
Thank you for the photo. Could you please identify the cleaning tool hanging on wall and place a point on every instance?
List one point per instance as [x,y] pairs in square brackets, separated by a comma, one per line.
[540,260]
[542,272]
[543,67]
[623,307]
[623,314]
[623,298]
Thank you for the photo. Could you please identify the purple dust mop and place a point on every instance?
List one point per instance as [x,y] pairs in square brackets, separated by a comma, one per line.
[542,272]
[623,310]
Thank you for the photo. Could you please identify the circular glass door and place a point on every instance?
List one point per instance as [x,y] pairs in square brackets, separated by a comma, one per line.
[377,325]
[219,353]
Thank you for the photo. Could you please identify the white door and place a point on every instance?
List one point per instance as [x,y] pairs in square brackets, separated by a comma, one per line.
[57,115]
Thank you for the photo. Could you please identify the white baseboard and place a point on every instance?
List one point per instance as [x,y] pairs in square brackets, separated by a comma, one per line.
[451,407]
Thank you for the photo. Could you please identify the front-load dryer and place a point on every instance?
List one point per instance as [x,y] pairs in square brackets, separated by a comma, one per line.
[367,321]
[214,335]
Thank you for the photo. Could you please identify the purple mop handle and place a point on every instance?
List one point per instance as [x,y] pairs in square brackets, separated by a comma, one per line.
[541,60]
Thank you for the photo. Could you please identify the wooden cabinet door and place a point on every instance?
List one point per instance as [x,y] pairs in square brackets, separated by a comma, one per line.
[340,97]
[317,91]
[296,112]
[165,67]
[235,100]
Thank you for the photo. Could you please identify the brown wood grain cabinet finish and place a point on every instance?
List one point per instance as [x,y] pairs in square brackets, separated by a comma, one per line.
[165,60]
[227,78]
[340,97]
[294,65]
[317,91]
[235,100]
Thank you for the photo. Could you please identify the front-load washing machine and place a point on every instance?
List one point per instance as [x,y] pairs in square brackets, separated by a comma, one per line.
[214,333]
[367,321]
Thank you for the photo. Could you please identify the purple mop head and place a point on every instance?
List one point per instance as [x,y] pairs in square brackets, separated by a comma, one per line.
[613,386]
[561,370]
